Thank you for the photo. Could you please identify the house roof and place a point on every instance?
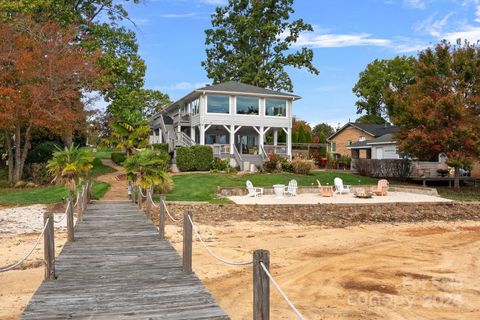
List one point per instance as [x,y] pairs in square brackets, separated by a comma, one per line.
[238,87]
[375,130]
[384,139]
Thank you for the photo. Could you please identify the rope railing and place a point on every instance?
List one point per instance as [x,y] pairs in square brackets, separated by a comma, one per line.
[168,213]
[229,262]
[151,200]
[16,264]
[64,215]
[140,191]
[282,293]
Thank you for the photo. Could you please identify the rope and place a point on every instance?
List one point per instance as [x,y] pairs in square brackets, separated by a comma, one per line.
[297,313]
[141,193]
[13,266]
[166,210]
[151,200]
[76,202]
[64,215]
[233,263]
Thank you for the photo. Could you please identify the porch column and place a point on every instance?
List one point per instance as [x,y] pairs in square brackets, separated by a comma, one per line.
[179,128]
[154,139]
[192,133]
[202,134]
[232,138]
[260,137]
[289,142]
[275,136]
[160,135]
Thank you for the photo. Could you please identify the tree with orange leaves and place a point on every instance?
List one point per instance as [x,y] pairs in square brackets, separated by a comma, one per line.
[440,112]
[44,76]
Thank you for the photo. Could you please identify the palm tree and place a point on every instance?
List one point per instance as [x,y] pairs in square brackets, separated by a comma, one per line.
[129,134]
[148,168]
[70,165]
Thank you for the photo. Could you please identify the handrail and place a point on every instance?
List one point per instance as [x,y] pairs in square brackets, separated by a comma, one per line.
[263,153]
[183,139]
[238,157]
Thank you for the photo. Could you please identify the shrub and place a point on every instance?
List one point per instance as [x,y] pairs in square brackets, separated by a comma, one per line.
[384,168]
[42,152]
[219,164]
[344,162]
[185,159]
[160,146]
[38,173]
[275,163]
[194,158]
[301,166]
[118,157]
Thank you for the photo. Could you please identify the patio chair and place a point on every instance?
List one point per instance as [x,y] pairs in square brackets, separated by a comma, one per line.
[325,191]
[252,191]
[382,188]
[291,189]
[340,187]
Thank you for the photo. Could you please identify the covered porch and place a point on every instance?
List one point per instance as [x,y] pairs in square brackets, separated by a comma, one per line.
[227,140]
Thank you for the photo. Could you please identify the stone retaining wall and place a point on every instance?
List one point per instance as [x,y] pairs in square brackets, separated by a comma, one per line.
[336,215]
[237,191]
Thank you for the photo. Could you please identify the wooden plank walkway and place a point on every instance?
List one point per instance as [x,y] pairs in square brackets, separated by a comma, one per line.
[118,268]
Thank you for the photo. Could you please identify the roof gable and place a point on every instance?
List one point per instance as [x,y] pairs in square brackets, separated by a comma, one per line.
[375,130]
[238,87]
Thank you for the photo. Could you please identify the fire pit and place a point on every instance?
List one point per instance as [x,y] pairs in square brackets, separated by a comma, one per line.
[362,193]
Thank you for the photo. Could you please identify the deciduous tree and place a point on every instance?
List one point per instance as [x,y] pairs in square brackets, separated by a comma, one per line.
[43,78]
[251,42]
[440,112]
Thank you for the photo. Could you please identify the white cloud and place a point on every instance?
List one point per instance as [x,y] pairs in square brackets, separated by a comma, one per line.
[432,26]
[469,33]
[417,4]
[316,40]
[179,15]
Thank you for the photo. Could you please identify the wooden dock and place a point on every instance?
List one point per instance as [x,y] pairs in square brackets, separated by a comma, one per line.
[118,268]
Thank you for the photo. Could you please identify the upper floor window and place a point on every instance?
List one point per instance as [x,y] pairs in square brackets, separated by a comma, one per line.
[275,107]
[247,105]
[218,104]
[194,106]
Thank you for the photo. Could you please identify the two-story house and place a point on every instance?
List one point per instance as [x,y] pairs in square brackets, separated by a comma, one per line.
[233,118]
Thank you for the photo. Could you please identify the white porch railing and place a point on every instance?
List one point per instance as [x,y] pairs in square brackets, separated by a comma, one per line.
[238,158]
[220,149]
[278,149]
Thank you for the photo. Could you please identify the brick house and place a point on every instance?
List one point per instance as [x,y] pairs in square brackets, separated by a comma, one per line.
[352,133]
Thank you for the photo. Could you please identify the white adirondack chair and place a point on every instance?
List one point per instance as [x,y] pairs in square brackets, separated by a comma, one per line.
[291,189]
[252,191]
[340,187]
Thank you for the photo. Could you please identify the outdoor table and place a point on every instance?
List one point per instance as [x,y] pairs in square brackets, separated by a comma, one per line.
[279,190]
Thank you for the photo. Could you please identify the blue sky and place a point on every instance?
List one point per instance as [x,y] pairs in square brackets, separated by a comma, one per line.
[348,35]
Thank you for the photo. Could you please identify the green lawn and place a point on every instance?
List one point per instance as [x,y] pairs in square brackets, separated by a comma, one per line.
[45,195]
[462,194]
[201,187]
[99,168]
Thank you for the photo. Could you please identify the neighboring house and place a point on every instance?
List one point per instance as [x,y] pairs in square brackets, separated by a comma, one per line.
[232,117]
[358,140]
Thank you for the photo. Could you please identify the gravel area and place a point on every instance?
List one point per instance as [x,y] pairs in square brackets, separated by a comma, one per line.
[25,219]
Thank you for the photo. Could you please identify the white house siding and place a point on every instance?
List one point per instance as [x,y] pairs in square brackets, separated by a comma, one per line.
[389,151]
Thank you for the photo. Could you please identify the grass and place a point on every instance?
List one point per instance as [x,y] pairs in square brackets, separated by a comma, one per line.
[45,195]
[464,193]
[100,169]
[201,187]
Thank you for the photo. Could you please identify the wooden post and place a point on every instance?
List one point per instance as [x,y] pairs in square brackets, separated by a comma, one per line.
[187,242]
[161,218]
[81,204]
[148,209]
[70,230]
[261,285]
[49,247]
[139,198]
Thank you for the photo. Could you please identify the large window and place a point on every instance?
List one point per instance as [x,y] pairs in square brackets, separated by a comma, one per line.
[275,107]
[194,106]
[218,104]
[246,105]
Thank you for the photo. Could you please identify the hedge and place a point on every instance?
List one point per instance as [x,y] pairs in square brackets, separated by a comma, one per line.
[194,158]
[160,147]
[118,157]
[42,152]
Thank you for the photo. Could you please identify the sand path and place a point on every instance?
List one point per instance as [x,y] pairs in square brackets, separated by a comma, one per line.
[117,181]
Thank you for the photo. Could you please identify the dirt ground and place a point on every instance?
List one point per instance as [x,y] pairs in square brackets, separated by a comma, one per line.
[424,270]
[118,185]
[17,286]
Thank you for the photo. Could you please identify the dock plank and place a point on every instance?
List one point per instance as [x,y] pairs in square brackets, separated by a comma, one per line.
[119,268]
